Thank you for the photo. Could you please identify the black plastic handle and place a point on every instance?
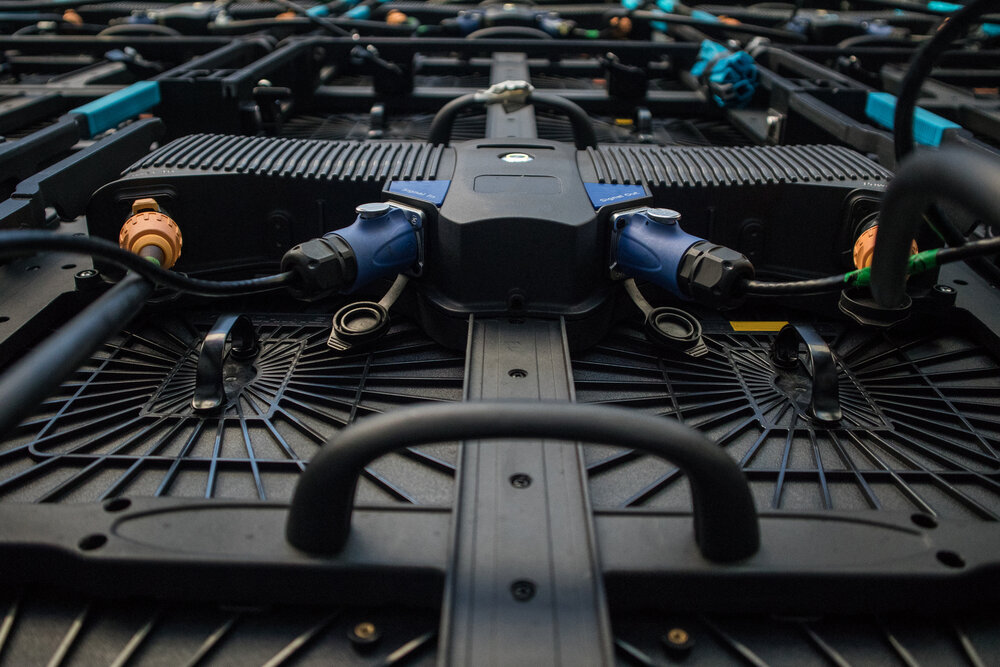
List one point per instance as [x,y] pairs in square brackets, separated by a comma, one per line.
[725,518]
[824,403]
[210,387]
[583,130]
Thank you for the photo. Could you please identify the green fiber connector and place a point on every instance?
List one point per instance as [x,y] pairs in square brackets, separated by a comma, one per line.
[922,261]
[153,260]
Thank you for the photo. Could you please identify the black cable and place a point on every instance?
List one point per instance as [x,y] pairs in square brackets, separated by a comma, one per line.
[49,5]
[322,22]
[139,29]
[920,67]
[508,31]
[814,286]
[370,28]
[919,8]
[972,249]
[37,374]
[878,41]
[28,242]
[962,175]
[717,28]
[836,283]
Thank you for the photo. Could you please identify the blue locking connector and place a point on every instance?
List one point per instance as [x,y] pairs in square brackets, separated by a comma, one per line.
[361,12]
[648,243]
[469,21]
[385,241]
[731,77]
[704,16]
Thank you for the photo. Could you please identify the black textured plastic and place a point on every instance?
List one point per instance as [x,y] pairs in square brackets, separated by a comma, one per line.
[123,424]
[920,430]
[295,158]
[750,165]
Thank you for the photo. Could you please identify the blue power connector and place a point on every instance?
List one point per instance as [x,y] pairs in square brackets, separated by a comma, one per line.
[648,243]
[385,241]
[731,77]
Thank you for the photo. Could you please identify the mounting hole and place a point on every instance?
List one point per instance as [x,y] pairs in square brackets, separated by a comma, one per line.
[4,318]
[69,266]
[951,559]
[959,281]
[523,590]
[924,520]
[520,480]
[517,373]
[91,542]
[117,504]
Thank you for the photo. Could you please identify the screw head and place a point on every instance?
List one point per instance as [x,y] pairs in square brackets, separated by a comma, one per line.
[664,216]
[86,273]
[364,635]
[520,480]
[372,210]
[522,590]
[678,636]
[677,642]
[944,289]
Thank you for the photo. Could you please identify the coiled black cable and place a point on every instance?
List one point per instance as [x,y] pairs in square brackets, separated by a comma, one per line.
[27,242]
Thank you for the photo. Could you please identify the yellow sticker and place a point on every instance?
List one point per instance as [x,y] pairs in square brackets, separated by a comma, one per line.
[757,326]
[623,122]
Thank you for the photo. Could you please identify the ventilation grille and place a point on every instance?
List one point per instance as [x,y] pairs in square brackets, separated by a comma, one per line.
[920,431]
[123,423]
[296,158]
[711,166]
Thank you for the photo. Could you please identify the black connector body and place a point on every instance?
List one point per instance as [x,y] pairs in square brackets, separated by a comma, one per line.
[323,265]
[711,274]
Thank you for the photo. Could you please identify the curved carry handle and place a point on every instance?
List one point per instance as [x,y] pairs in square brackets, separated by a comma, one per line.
[210,388]
[725,518]
[583,131]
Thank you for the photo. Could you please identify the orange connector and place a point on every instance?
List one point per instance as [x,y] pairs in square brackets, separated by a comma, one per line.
[152,234]
[864,248]
[396,17]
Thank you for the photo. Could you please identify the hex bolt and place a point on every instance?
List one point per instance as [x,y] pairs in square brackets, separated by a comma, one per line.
[944,289]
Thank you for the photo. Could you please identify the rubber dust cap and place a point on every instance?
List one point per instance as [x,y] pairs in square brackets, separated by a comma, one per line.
[358,323]
[676,329]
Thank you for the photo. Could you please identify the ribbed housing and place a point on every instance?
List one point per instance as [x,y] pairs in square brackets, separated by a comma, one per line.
[297,158]
[714,166]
